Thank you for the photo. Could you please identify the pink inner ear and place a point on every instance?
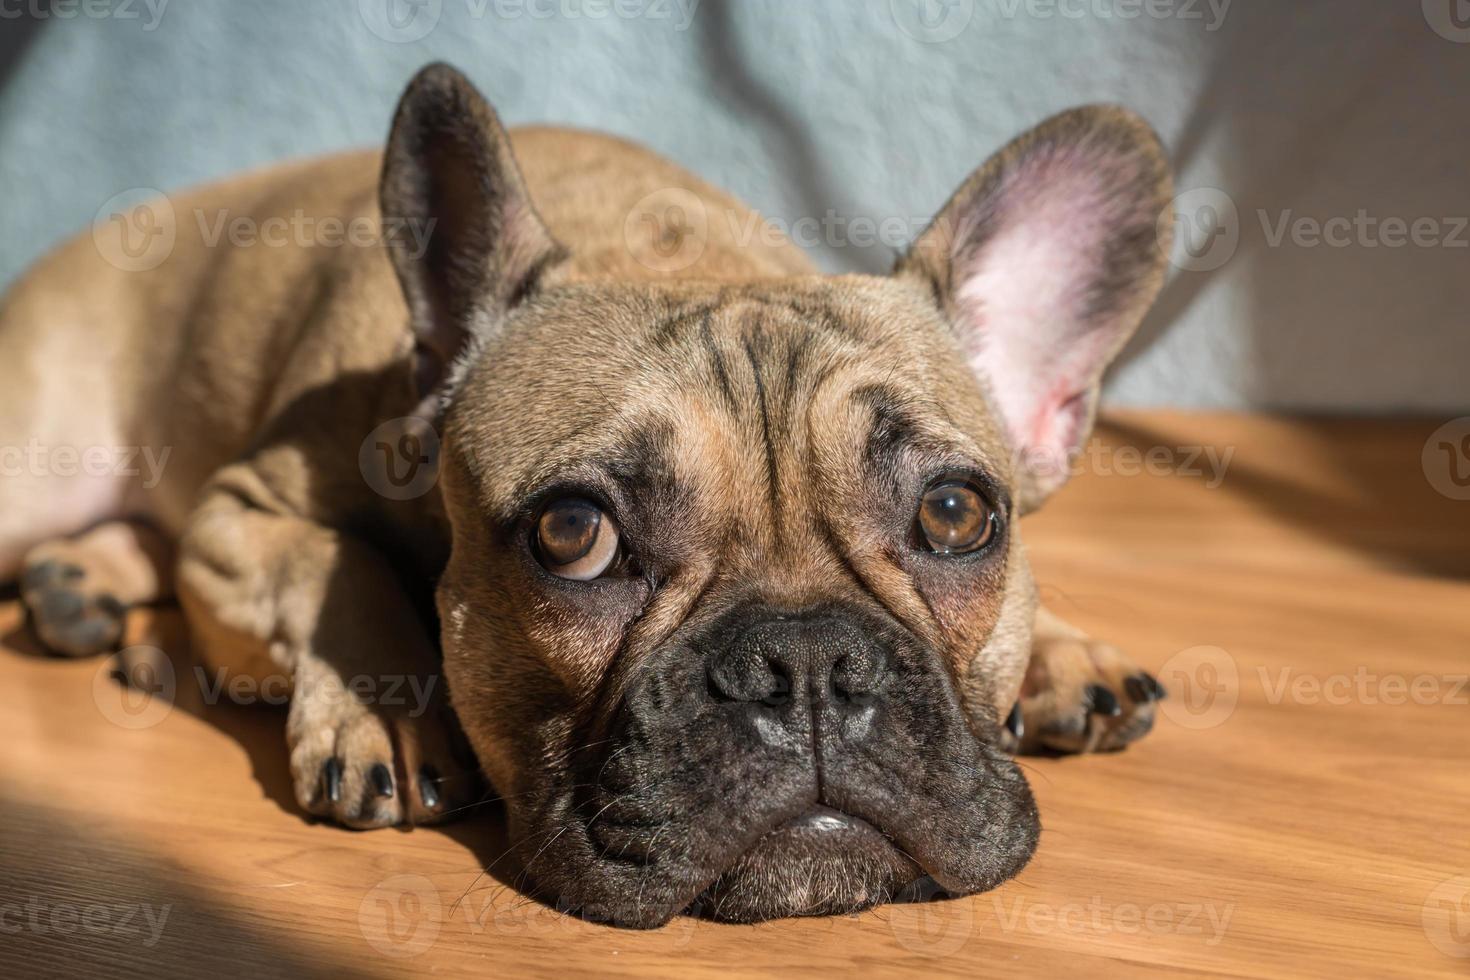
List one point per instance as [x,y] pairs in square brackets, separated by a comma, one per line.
[1023,297]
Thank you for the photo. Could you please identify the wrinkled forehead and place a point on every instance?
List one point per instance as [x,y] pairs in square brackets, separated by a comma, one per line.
[757,404]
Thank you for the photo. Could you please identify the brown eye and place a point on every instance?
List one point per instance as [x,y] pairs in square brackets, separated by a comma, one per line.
[576,539]
[955,519]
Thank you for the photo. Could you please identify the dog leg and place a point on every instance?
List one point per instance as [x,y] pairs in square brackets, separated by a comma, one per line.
[1080,695]
[372,740]
[78,590]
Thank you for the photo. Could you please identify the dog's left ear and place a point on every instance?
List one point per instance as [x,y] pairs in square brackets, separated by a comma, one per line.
[1044,262]
[464,238]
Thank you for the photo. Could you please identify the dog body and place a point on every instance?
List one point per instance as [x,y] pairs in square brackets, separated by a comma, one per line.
[719,557]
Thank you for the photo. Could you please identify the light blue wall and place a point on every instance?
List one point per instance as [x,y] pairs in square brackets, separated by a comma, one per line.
[1308,108]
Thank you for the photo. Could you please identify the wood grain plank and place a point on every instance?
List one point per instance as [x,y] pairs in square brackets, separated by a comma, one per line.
[1300,810]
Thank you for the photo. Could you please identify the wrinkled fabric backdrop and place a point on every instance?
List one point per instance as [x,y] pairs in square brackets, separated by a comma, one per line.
[1348,116]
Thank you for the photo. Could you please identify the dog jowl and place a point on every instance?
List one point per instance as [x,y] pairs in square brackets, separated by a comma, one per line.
[723,568]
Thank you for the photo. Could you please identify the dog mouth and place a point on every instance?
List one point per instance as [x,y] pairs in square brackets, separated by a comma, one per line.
[824,820]
[706,799]
[823,861]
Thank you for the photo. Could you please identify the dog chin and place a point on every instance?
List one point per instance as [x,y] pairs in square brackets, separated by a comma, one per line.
[822,862]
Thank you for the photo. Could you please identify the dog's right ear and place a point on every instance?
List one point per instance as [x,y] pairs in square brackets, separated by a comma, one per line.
[464,238]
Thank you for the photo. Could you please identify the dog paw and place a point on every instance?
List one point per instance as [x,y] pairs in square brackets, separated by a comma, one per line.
[364,768]
[1080,695]
[71,615]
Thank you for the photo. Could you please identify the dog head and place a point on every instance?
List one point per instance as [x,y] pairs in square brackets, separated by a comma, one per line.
[737,594]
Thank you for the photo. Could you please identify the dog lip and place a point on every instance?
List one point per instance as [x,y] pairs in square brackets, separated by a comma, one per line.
[821,819]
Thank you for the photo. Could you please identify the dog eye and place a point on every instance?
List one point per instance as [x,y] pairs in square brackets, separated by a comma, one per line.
[955,519]
[575,539]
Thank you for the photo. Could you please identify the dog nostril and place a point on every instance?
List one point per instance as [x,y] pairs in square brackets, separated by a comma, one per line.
[749,675]
[857,676]
[779,691]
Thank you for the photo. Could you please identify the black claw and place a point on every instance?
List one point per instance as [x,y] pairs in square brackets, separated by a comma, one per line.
[428,791]
[1102,701]
[1143,688]
[1015,724]
[382,780]
[332,779]
[1160,691]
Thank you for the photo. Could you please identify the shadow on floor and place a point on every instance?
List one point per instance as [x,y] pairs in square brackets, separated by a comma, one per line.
[82,901]
[1387,510]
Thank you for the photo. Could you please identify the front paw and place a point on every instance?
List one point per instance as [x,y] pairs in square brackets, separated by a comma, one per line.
[1080,695]
[364,766]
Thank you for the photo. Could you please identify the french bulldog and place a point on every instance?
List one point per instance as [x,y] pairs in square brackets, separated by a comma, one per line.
[720,560]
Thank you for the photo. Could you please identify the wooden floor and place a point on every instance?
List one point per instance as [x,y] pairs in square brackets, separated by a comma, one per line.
[1302,809]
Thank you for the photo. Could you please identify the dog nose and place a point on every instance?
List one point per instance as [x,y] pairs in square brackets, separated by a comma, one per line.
[775,661]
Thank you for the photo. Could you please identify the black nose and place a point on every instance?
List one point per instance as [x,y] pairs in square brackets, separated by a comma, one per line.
[779,660]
